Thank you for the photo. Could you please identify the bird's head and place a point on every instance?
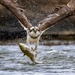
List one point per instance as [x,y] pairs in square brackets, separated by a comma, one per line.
[34,32]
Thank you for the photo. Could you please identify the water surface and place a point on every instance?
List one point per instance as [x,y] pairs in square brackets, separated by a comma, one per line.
[57,60]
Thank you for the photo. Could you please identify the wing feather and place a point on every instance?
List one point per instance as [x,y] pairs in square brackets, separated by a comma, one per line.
[64,12]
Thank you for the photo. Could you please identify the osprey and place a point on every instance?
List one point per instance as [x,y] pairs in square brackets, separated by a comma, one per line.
[34,32]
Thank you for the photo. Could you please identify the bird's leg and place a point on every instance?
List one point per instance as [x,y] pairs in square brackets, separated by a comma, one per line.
[36,46]
[28,43]
[27,40]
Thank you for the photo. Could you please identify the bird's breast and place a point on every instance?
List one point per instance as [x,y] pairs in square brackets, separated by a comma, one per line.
[33,40]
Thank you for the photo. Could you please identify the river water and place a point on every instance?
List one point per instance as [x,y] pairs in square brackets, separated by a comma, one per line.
[57,60]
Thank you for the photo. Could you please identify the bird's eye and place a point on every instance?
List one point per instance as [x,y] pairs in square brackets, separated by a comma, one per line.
[30,31]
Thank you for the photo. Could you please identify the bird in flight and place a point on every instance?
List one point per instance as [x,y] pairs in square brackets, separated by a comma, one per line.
[34,32]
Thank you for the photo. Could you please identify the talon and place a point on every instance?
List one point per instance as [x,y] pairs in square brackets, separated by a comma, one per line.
[32,49]
[24,54]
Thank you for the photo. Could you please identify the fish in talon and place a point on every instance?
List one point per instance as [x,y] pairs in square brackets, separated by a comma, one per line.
[28,52]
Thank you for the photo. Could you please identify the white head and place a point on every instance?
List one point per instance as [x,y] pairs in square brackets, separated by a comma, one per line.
[34,32]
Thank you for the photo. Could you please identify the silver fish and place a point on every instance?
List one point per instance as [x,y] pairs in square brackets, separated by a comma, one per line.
[29,52]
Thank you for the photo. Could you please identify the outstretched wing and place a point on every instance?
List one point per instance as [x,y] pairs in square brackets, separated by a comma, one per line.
[17,11]
[46,23]
[65,11]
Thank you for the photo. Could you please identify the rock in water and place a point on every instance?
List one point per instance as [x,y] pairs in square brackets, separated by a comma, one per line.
[27,51]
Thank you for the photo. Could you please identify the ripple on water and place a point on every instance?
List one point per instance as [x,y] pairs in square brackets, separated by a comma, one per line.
[56,60]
